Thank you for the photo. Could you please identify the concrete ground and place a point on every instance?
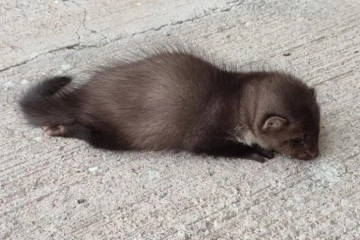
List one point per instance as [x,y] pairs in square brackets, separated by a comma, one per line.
[63,189]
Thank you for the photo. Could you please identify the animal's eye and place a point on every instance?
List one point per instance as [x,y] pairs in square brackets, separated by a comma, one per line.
[297,141]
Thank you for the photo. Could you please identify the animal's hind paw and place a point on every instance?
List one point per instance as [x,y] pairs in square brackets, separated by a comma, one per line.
[57,130]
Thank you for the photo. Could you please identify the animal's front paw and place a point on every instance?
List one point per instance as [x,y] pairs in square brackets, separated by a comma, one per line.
[256,157]
[269,154]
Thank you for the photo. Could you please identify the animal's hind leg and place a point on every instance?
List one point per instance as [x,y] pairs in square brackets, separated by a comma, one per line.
[98,137]
[105,138]
[74,130]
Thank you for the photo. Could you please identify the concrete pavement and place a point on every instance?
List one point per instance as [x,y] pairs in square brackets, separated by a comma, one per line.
[53,188]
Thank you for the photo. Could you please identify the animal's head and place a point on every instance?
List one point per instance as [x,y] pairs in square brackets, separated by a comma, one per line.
[290,122]
[298,139]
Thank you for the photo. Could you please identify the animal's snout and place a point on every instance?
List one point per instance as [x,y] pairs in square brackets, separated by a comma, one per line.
[313,153]
[308,154]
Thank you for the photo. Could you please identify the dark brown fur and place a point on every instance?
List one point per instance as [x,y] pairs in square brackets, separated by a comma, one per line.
[177,101]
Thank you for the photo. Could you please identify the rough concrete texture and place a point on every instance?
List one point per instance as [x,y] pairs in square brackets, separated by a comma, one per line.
[55,188]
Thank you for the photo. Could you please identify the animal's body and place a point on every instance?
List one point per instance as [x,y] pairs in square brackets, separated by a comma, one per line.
[177,101]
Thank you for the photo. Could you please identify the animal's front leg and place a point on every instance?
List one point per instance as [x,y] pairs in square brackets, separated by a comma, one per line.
[254,156]
[269,154]
[237,150]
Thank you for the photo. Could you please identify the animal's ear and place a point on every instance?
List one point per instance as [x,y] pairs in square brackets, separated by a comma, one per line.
[274,123]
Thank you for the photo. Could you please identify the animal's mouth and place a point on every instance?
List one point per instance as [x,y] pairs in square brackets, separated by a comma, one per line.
[306,155]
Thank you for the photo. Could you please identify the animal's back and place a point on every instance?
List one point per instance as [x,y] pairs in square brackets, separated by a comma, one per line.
[154,103]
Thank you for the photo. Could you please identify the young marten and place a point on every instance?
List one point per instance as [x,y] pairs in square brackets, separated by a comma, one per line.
[178,101]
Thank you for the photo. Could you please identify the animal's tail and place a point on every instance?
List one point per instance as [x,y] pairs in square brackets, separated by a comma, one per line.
[47,103]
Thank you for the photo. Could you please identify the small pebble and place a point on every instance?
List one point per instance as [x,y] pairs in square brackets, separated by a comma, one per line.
[153,174]
[8,85]
[65,67]
[24,82]
[38,139]
[93,169]
[80,201]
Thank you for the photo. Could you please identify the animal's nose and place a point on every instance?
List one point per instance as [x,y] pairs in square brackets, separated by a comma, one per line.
[312,153]
[308,154]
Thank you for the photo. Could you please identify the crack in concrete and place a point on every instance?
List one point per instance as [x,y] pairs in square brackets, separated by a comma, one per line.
[80,46]
[79,28]
[92,30]
[68,47]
